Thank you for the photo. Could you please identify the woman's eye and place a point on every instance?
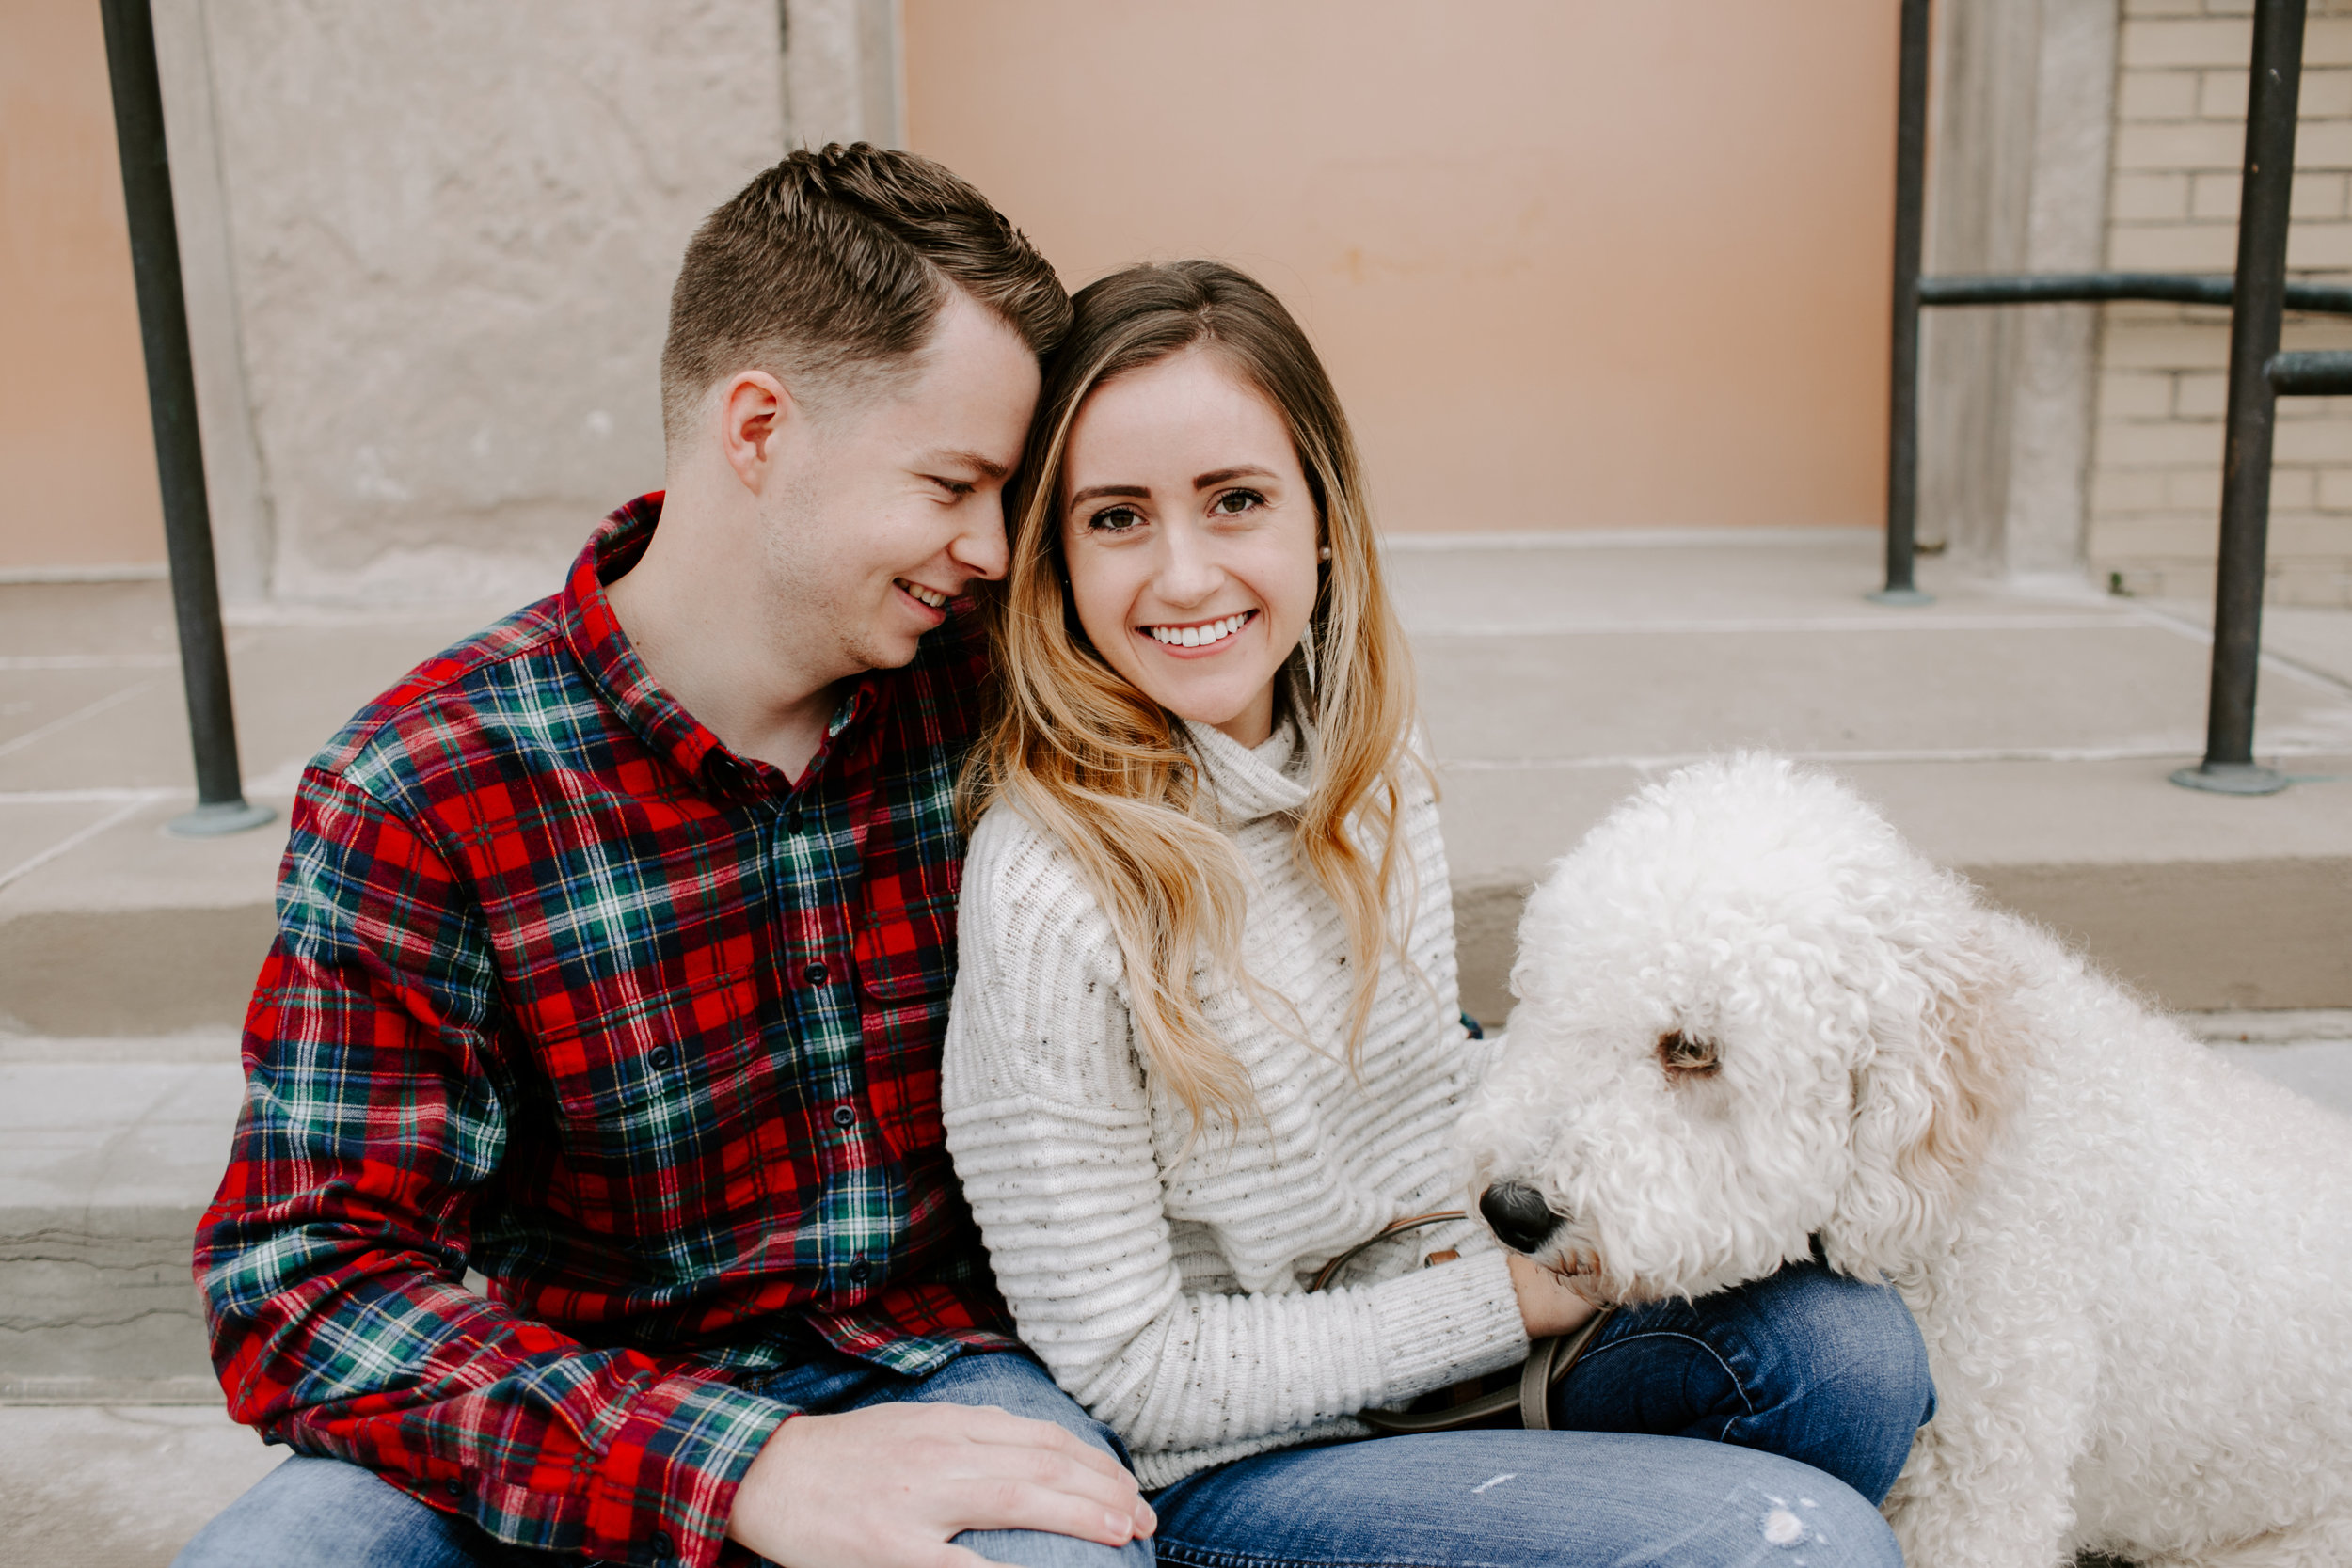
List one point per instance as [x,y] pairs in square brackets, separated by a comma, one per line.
[1117,520]
[1234,503]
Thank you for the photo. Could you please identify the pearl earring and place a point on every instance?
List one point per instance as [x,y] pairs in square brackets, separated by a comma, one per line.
[1323,554]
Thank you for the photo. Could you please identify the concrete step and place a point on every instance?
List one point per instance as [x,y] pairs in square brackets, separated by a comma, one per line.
[115,1447]
[106,925]
[122,1486]
[2023,737]
[109,1151]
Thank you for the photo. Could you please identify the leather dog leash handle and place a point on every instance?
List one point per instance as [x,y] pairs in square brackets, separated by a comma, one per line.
[1548,1359]
[1548,1362]
[1394,1227]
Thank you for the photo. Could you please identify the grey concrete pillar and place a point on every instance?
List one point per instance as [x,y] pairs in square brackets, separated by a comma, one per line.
[428,249]
[844,73]
[238,489]
[2021,129]
[434,244]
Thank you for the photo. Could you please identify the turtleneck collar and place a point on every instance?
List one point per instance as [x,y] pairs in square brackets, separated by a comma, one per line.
[1266,780]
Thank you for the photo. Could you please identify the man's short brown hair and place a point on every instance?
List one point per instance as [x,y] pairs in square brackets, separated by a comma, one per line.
[831,268]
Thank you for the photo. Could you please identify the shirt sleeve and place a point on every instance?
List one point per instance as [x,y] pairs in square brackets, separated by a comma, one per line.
[332,1260]
[1048,1120]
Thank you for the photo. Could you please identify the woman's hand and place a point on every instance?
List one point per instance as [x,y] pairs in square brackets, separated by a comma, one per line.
[1548,1304]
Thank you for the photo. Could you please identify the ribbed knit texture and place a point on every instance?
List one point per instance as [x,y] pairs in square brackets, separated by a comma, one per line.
[1168,1294]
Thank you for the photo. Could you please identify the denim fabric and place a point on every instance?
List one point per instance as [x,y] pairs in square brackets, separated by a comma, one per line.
[1505,1499]
[325,1513]
[1760,1425]
[1807,1364]
[1713,1433]
[329,1514]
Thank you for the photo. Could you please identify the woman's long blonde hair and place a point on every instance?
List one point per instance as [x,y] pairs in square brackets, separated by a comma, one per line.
[1107,771]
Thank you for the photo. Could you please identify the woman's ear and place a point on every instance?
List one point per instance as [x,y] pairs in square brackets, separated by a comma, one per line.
[1927,1101]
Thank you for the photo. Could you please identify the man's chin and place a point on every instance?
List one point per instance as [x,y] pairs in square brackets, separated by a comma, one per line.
[894,650]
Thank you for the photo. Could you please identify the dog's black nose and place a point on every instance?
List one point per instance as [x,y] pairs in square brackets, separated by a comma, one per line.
[1518,1214]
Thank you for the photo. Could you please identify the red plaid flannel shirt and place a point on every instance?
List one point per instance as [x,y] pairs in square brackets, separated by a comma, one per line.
[566,992]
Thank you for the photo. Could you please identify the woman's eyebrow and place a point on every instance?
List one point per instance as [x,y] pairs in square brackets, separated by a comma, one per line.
[1095,492]
[1248,470]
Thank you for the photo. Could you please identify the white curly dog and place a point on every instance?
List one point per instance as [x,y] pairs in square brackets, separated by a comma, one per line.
[1751,1018]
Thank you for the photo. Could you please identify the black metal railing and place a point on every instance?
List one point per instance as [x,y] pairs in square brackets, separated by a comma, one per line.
[2257,295]
[220,804]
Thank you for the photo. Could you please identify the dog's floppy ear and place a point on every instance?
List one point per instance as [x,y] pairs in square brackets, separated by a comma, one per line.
[1927,1101]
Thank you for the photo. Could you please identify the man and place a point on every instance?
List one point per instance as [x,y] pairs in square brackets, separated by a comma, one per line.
[613,957]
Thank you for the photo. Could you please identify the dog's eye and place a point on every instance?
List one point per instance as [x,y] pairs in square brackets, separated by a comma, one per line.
[1685,1057]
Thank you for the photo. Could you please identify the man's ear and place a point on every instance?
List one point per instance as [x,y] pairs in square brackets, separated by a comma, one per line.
[754,411]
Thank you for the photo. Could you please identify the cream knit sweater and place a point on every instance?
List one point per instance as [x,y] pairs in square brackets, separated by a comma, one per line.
[1169,1296]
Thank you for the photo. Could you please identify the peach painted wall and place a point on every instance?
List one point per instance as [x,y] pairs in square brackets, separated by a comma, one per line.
[77,464]
[1572,263]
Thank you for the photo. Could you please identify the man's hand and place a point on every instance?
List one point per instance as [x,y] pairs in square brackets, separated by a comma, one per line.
[887,1486]
[1548,1304]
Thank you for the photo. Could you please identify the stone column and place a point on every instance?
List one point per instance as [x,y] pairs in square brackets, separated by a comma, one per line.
[430,248]
[843,73]
[232,459]
[2021,119]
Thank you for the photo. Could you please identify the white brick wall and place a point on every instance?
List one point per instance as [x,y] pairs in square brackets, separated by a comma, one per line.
[2172,207]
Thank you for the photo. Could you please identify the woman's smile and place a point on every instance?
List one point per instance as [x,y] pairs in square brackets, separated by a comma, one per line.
[1199,638]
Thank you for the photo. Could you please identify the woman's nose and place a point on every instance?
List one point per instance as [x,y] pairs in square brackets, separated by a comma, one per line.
[1189,574]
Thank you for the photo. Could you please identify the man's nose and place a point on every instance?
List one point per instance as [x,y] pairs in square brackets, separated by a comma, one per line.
[1518,1214]
[981,549]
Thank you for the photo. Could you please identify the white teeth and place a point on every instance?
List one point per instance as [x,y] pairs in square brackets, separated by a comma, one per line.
[936,600]
[1200,636]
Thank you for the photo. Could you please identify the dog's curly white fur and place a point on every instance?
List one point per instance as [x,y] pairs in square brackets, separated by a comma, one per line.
[1751,1019]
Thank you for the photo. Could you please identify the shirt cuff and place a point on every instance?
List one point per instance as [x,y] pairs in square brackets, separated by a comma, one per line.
[1444,1325]
[665,1483]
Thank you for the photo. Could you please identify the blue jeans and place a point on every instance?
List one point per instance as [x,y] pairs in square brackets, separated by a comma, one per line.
[1808,1364]
[1803,1390]
[325,1513]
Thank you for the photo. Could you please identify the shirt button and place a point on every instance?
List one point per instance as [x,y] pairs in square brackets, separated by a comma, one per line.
[454,1486]
[663,1547]
[662,1056]
[843,1116]
[859,1270]
[814,975]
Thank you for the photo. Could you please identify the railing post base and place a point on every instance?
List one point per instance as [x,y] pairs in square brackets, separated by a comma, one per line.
[2232,778]
[219,818]
[1899,596]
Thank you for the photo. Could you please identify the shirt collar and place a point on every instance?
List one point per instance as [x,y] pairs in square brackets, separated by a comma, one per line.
[603,650]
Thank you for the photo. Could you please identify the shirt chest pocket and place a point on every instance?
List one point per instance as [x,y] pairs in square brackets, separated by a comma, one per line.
[661,1103]
[906,964]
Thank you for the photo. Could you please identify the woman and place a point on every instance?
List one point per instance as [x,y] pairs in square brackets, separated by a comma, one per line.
[1205,1036]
